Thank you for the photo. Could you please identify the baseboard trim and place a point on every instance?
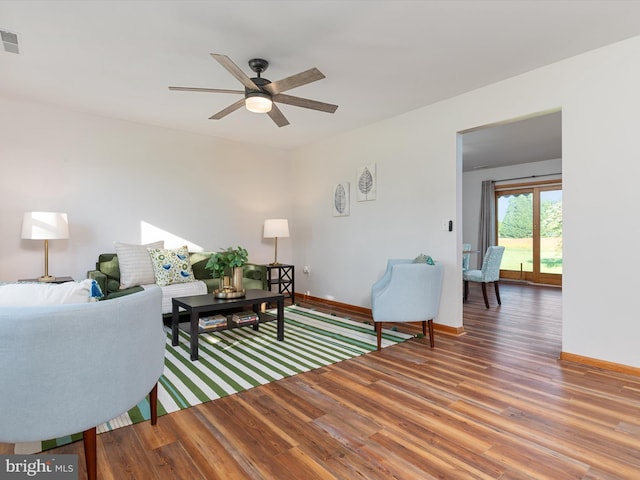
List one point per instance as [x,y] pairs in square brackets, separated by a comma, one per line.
[449,330]
[603,364]
[333,303]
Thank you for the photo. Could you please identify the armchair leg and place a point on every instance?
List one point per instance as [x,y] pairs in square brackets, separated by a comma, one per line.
[90,454]
[431,339]
[379,334]
[495,284]
[484,293]
[466,290]
[153,404]
[428,323]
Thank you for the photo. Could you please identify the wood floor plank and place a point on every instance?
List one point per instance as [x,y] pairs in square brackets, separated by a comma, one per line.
[295,464]
[212,459]
[436,461]
[175,462]
[122,443]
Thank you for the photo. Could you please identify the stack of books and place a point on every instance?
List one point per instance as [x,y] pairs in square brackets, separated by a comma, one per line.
[214,322]
[244,318]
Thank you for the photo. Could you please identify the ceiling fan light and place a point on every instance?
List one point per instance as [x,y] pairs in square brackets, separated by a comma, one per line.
[258,102]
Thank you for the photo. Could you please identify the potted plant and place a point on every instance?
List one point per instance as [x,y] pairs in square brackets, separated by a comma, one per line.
[227,264]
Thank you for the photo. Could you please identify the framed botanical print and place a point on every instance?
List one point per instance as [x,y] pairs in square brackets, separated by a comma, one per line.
[367,183]
[340,200]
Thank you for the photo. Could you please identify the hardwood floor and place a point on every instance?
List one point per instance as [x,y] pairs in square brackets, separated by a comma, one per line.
[493,403]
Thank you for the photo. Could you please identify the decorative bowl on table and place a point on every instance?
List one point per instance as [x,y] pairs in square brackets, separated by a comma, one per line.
[229,293]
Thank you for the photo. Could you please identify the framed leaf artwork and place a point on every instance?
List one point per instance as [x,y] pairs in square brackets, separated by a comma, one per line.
[366,188]
[340,200]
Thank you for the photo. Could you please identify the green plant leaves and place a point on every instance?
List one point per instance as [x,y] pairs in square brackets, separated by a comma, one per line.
[225,260]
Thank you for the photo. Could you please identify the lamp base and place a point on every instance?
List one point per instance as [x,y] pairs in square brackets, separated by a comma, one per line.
[47,278]
[275,264]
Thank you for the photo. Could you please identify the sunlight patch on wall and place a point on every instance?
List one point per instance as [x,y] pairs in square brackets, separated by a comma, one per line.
[150,233]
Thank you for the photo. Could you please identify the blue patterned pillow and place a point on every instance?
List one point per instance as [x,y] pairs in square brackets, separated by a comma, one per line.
[171,266]
[422,258]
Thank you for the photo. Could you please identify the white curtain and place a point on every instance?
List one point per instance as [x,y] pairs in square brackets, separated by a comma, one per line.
[487,230]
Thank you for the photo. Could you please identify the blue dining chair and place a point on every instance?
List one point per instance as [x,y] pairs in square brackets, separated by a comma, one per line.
[466,257]
[490,273]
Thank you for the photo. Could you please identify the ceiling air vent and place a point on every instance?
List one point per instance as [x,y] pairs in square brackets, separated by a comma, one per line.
[10,41]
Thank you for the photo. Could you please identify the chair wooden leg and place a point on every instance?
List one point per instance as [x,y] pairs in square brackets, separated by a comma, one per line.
[495,285]
[90,454]
[466,290]
[431,339]
[379,334]
[153,404]
[484,293]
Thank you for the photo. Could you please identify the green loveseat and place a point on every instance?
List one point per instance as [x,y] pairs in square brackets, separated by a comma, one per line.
[107,274]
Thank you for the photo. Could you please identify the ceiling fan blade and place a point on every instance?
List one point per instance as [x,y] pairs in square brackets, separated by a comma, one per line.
[277,116]
[305,103]
[234,70]
[230,109]
[297,80]
[207,90]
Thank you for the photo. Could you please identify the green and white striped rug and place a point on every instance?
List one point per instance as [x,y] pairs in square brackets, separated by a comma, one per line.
[235,360]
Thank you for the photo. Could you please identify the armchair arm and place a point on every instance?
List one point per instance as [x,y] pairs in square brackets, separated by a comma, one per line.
[256,272]
[382,283]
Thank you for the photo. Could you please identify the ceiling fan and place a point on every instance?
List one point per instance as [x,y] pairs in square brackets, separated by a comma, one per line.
[260,94]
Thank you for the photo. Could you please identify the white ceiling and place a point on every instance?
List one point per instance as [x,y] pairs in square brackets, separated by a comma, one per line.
[381,58]
[526,140]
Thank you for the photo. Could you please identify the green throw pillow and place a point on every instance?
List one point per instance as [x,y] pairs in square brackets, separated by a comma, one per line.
[198,263]
[111,268]
[422,258]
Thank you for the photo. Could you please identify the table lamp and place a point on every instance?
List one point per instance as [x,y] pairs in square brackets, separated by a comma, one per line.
[274,228]
[45,226]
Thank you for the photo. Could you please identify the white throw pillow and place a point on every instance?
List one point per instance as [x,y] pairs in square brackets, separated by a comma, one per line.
[171,265]
[135,263]
[19,294]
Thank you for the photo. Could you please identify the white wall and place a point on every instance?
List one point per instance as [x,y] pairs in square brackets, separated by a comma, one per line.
[472,188]
[418,174]
[110,176]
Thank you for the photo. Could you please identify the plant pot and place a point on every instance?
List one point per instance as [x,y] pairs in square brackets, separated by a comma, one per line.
[238,272]
[225,282]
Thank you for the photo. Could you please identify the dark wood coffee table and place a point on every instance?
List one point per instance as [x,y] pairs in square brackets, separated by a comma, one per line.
[195,305]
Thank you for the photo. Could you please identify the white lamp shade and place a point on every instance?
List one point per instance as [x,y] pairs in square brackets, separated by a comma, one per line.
[45,226]
[276,228]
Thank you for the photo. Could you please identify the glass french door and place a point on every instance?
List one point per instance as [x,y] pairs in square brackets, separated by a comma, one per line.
[530,228]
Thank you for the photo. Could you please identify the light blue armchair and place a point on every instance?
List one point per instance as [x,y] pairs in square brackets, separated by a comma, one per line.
[407,292]
[490,273]
[67,368]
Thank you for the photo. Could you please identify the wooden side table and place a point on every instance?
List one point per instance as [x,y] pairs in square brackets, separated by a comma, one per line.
[284,277]
[57,280]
